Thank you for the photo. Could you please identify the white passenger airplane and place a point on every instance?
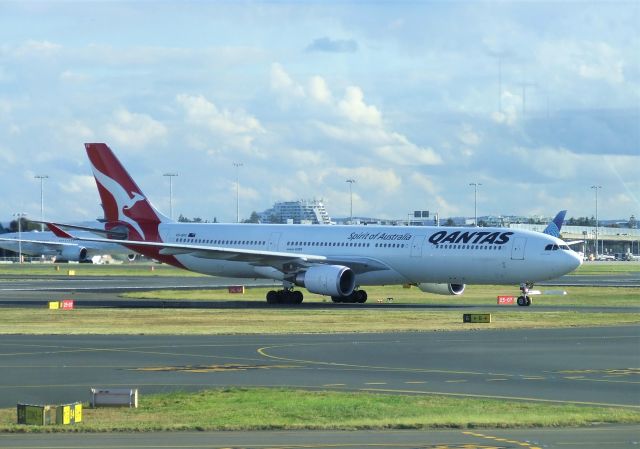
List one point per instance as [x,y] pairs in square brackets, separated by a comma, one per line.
[329,260]
[63,247]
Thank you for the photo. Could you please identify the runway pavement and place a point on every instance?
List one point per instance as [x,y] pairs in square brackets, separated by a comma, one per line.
[610,437]
[581,366]
[10,284]
[104,291]
[578,366]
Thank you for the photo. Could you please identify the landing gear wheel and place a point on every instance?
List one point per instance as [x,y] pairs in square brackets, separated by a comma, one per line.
[524,301]
[273,297]
[360,296]
[284,297]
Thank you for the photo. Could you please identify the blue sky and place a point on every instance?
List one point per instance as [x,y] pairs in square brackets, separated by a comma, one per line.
[414,100]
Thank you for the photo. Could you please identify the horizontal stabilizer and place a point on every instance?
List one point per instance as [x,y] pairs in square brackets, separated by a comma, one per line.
[108,233]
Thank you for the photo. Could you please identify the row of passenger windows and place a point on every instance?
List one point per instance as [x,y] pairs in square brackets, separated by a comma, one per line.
[222,242]
[482,247]
[349,244]
[551,247]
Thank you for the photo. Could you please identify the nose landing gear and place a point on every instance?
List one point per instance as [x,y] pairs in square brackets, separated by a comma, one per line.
[525,299]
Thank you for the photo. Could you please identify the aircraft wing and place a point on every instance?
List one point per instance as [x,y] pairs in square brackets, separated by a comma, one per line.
[40,242]
[283,261]
[56,229]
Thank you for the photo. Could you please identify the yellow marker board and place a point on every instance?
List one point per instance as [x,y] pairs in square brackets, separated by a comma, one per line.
[476,318]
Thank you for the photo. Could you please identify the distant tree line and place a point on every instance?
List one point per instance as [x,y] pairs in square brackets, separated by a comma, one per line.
[183,219]
[255,218]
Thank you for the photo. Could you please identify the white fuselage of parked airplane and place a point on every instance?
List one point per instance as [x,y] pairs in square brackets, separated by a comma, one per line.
[380,255]
[329,260]
[46,243]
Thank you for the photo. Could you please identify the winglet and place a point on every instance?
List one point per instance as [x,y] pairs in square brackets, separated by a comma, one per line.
[554,226]
[58,232]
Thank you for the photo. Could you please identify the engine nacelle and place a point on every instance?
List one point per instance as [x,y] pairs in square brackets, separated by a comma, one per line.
[131,257]
[442,289]
[73,253]
[329,280]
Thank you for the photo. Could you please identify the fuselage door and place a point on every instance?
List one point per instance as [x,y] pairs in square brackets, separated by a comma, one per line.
[274,239]
[517,250]
[416,245]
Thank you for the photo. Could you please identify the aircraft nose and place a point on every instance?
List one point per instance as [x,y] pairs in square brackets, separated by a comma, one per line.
[573,260]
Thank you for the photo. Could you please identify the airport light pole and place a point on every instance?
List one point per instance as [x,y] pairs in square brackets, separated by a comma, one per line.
[170,176]
[475,202]
[237,165]
[20,215]
[351,181]
[41,178]
[596,188]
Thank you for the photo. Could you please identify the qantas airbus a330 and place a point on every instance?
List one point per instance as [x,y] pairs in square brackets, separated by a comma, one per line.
[335,261]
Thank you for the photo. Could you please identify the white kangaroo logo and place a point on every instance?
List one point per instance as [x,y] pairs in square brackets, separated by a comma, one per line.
[122,198]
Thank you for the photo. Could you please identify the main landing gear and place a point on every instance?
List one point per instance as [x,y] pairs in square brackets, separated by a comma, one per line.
[358,296]
[285,296]
[525,299]
[290,296]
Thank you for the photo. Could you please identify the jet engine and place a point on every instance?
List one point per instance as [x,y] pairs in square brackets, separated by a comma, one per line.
[73,253]
[442,289]
[329,280]
[131,257]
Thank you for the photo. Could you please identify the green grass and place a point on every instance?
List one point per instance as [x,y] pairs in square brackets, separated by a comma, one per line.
[474,295]
[605,268]
[87,269]
[280,409]
[284,321]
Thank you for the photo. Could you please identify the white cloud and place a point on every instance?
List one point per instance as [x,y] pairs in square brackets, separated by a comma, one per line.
[7,155]
[364,127]
[511,104]
[468,136]
[393,147]
[587,59]
[70,76]
[319,91]
[78,183]
[236,127]
[355,109]
[402,152]
[307,158]
[77,130]
[406,100]
[246,193]
[436,201]
[371,178]
[134,130]
[37,48]
[281,82]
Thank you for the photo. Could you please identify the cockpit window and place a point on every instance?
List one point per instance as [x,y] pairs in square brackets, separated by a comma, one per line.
[552,247]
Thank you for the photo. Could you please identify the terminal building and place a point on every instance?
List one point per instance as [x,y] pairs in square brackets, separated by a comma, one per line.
[296,212]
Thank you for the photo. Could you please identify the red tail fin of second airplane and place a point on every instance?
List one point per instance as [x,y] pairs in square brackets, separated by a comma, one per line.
[122,200]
